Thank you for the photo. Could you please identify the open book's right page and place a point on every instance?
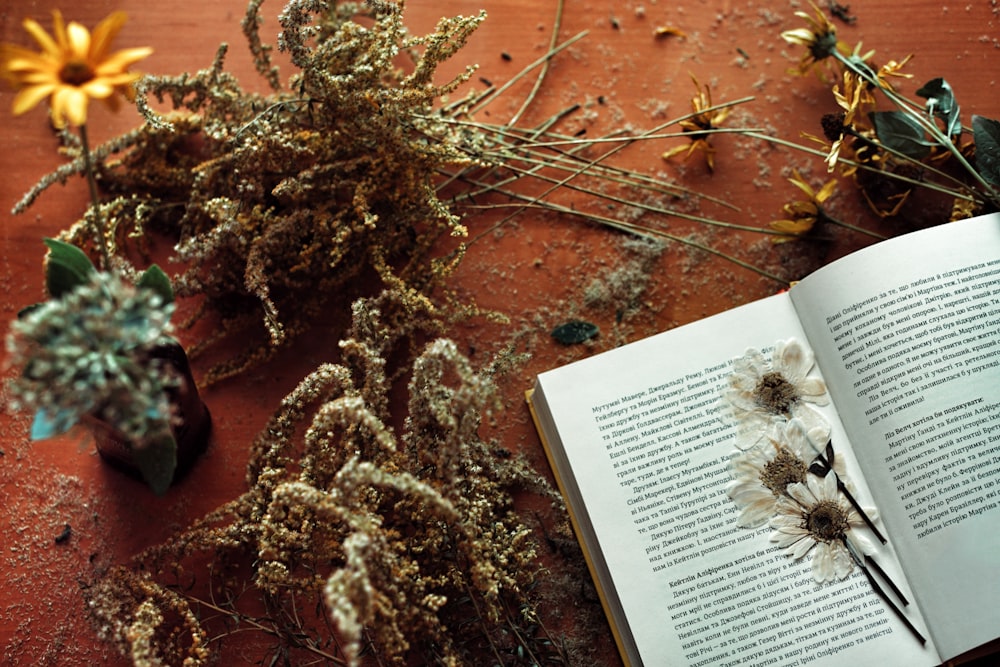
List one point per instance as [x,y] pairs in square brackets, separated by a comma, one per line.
[907,334]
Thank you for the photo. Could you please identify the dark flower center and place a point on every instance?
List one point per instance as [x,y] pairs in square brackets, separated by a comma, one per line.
[775,394]
[824,45]
[76,73]
[826,522]
[833,125]
[786,468]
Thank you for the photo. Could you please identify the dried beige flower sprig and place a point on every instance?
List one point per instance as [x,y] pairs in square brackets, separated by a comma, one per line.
[410,544]
[278,201]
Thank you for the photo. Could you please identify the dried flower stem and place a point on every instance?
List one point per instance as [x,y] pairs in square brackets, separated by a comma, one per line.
[97,220]
[826,468]
[861,563]
[902,178]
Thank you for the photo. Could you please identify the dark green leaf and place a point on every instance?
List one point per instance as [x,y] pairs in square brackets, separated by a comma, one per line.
[155,279]
[941,102]
[986,134]
[901,133]
[157,459]
[66,268]
[574,331]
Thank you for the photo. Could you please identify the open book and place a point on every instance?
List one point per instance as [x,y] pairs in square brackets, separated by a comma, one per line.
[906,335]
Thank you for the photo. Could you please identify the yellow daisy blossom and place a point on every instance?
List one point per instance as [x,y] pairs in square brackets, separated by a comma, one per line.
[836,127]
[74,66]
[819,38]
[803,215]
[699,125]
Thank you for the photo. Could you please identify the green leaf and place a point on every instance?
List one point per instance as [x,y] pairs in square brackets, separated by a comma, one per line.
[155,279]
[66,268]
[899,132]
[941,102]
[157,459]
[986,134]
[574,331]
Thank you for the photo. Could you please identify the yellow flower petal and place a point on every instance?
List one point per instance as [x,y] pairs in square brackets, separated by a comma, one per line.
[79,40]
[802,185]
[105,33]
[69,103]
[122,60]
[59,30]
[826,191]
[28,97]
[97,89]
[38,33]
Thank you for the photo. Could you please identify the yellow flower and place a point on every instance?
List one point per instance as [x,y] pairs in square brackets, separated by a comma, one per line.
[700,124]
[73,67]
[819,38]
[803,215]
[850,98]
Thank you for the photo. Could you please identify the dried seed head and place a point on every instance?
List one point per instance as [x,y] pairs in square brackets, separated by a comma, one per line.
[826,521]
[786,468]
[775,394]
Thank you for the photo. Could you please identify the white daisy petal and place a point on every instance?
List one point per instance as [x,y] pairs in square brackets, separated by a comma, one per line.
[813,390]
[793,360]
[823,566]
[801,493]
[756,514]
[801,548]
[842,561]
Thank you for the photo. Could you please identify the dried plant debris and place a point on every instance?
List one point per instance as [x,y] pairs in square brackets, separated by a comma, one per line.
[286,198]
[410,543]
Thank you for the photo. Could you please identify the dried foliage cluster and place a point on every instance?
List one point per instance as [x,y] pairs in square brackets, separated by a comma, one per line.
[411,542]
[280,200]
[911,158]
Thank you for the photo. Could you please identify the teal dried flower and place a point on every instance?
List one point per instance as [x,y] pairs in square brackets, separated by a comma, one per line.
[87,351]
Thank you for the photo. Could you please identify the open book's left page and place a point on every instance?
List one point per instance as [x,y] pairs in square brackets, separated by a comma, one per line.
[643,455]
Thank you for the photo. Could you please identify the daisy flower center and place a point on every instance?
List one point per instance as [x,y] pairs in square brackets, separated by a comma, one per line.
[823,45]
[775,394]
[76,73]
[784,469]
[826,521]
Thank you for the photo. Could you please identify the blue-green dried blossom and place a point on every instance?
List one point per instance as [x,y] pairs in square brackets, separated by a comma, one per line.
[89,352]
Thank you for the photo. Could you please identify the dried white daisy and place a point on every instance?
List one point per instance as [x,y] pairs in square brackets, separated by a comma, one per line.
[762,474]
[815,514]
[763,394]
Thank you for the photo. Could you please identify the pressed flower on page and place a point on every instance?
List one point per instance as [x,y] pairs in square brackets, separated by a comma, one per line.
[761,475]
[816,517]
[762,394]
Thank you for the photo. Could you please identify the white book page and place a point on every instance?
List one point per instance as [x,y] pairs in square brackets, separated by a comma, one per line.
[648,456]
[913,324]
